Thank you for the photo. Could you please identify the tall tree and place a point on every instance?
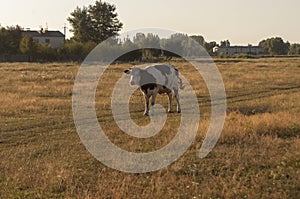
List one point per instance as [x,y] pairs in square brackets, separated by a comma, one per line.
[176,43]
[95,23]
[199,39]
[80,20]
[28,46]
[265,46]
[10,38]
[225,43]
[150,44]
[294,49]
[275,46]
[209,46]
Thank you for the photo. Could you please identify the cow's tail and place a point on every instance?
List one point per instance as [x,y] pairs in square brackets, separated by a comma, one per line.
[181,85]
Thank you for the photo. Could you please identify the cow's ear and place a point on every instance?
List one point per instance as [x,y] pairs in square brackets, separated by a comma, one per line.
[127,71]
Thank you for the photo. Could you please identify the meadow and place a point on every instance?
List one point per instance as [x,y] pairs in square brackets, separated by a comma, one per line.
[257,155]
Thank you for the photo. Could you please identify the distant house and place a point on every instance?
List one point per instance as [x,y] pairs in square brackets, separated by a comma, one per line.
[54,38]
[235,50]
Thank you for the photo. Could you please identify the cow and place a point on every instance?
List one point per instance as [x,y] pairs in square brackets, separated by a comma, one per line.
[156,79]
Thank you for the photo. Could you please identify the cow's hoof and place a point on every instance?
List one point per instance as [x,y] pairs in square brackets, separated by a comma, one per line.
[169,111]
[146,114]
[179,111]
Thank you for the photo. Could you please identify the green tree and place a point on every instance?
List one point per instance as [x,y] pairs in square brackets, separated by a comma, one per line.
[151,42]
[199,39]
[28,46]
[95,23]
[265,44]
[88,47]
[80,20]
[182,44]
[275,46]
[10,38]
[209,46]
[225,43]
[176,44]
[46,52]
[139,39]
[133,53]
[278,47]
[294,49]
[74,50]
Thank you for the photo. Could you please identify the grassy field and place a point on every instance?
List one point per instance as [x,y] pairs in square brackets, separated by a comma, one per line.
[257,155]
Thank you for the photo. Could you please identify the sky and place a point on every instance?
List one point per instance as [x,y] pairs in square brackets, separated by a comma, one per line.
[242,22]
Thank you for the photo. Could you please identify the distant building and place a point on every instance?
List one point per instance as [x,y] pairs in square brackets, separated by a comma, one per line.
[235,50]
[54,38]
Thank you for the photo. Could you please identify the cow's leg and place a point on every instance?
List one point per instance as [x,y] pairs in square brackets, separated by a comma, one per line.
[146,105]
[153,99]
[177,100]
[170,102]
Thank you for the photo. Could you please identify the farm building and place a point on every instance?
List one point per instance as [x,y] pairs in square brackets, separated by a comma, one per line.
[54,38]
[235,50]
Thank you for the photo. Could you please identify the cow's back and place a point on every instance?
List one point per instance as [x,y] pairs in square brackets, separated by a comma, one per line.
[164,74]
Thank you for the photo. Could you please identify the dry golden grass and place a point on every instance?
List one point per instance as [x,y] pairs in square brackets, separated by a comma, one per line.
[257,155]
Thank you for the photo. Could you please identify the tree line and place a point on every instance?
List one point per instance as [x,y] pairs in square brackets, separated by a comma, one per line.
[96,23]
[12,42]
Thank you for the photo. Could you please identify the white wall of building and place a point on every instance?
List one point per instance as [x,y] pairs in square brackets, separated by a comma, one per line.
[55,42]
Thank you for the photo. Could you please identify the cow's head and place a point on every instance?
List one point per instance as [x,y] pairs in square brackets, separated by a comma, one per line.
[135,75]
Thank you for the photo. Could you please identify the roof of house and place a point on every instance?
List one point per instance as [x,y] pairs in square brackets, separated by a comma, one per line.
[43,33]
[240,47]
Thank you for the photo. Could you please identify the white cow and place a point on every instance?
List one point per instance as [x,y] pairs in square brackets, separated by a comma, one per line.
[157,79]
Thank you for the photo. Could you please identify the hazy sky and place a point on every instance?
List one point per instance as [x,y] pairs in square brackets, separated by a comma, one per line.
[240,21]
